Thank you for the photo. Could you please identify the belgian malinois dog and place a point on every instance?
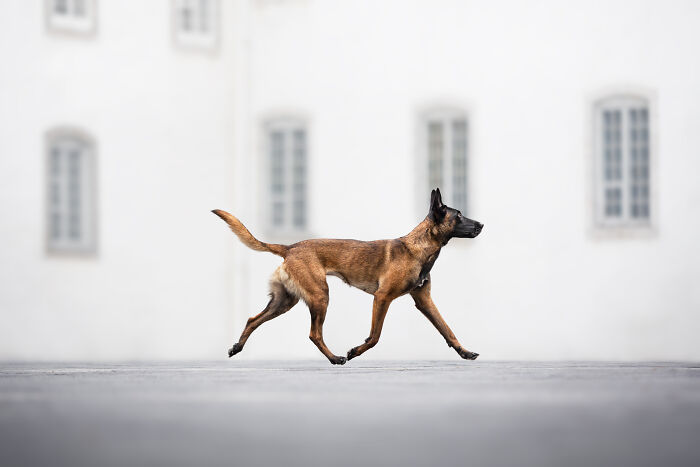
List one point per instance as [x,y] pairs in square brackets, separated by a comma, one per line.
[386,269]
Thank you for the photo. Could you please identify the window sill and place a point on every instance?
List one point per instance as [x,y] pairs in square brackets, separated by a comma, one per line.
[80,255]
[623,231]
[193,47]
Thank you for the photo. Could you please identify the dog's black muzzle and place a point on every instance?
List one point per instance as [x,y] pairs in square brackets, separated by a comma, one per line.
[476,230]
[469,229]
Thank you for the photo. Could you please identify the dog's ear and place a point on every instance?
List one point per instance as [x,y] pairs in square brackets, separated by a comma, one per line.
[437,209]
[439,196]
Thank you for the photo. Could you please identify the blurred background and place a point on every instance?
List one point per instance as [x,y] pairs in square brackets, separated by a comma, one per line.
[569,129]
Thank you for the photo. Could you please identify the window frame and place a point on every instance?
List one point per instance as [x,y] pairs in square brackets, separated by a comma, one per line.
[188,41]
[622,99]
[87,247]
[446,114]
[70,24]
[287,124]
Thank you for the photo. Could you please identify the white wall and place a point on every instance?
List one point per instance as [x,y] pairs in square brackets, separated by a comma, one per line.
[538,283]
[178,133]
[162,118]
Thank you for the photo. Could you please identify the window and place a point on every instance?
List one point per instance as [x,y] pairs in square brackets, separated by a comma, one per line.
[443,157]
[287,169]
[622,161]
[195,23]
[70,213]
[76,16]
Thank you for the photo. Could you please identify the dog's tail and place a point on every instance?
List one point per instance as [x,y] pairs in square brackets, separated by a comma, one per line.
[247,238]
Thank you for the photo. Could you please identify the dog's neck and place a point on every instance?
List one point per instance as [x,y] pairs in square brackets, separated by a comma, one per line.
[424,240]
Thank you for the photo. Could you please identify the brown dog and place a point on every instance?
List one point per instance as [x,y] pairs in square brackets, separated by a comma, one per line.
[386,269]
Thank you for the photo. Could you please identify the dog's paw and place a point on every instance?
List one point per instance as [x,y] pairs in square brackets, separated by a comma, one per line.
[467,355]
[352,353]
[234,350]
[338,360]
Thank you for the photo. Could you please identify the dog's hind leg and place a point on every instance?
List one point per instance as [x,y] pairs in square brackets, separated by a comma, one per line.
[308,280]
[318,307]
[425,304]
[280,302]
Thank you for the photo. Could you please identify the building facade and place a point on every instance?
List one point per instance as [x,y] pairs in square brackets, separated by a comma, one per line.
[567,131]
[113,119]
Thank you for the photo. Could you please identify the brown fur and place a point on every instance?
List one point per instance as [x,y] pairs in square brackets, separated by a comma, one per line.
[386,269]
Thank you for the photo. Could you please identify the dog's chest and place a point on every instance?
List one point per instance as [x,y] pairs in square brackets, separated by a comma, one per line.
[425,270]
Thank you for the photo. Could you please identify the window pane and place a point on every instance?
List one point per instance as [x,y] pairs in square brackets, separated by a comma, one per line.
[185,18]
[55,225]
[74,193]
[277,162]
[55,193]
[288,175]
[435,154]
[79,7]
[60,6]
[55,161]
[299,176]
[55,198]
[459,165]
[624,171]
[277,213]
[612,162]
[639,163]
[277,172]
[195,24]
[69,191]
[203,16]
[612,145]
[613,205]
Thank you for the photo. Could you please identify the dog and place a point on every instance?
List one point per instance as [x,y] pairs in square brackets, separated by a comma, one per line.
[386,269]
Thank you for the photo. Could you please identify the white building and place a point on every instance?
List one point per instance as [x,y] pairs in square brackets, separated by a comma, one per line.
[568,130]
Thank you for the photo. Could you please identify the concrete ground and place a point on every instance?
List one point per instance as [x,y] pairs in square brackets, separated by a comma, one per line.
[238,412]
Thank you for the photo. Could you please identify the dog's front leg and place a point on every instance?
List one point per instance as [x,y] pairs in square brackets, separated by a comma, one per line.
[379,309]
[425,304]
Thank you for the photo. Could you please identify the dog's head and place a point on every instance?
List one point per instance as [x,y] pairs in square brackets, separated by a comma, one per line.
[450,222]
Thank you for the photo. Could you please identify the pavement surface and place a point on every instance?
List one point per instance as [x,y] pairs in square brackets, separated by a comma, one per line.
[364,413]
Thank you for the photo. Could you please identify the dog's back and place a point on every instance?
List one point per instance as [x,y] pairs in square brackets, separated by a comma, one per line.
[358,263]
